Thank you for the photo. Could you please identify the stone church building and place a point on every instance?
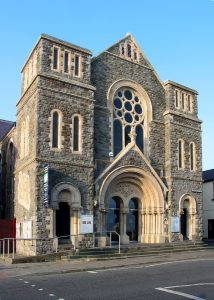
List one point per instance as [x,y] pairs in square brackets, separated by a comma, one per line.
[101,136]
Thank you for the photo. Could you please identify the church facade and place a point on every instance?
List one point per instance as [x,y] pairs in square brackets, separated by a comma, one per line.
[102,137]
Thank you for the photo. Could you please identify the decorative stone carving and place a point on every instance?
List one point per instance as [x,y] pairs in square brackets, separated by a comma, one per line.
[127,189]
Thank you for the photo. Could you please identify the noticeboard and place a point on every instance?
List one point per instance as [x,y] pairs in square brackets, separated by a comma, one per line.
[175,224]
[27,230]
[86,224]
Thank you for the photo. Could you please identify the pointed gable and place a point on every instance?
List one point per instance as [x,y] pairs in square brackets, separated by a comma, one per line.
[127,48]
[130,156]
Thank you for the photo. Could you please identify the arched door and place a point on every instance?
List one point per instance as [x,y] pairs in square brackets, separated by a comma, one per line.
[184,223]
[63,220]
[113,216]
[132,220]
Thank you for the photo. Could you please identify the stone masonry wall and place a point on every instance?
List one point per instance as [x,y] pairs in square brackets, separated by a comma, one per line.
[108,68]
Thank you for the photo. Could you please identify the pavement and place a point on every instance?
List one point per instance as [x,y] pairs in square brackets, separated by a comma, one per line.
[62,267]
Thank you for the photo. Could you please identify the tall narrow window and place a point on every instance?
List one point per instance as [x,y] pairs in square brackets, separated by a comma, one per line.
[176,99]
[139,136]
[22,140]
[118,142]
[55,58]
[127,134]
[182,101]
[129,50]
[66,61]
[180,154]
[189,103]
[77,66]
[192,157]
[76,140]
[129,117]
[55,130]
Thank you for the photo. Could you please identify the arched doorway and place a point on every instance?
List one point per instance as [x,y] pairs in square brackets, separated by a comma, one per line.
[66,205]
[132,220]
[141,219]
[187,208]
[63,220]
[113,216]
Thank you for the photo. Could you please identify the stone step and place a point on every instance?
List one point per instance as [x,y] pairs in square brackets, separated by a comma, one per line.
[111,253]
[106,256]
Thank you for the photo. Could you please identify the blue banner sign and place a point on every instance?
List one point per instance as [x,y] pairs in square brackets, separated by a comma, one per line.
[46,190]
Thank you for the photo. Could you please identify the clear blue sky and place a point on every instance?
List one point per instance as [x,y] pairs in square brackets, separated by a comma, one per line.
[177,37]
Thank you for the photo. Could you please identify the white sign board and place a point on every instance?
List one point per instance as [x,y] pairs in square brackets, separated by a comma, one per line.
[27,230]
[86,223]
[18,230]
[175,224]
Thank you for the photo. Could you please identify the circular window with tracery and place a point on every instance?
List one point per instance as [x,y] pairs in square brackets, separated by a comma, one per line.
[128,106]
[128,117]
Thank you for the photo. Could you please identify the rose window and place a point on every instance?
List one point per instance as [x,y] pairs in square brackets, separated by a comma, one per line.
[128,119]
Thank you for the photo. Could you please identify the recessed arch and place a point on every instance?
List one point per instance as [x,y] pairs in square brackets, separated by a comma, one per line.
[132,182]
[187,211]
[74,201]
[65,203]
[146,182]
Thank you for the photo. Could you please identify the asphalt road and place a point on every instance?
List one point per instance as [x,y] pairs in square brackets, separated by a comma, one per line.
[193,279]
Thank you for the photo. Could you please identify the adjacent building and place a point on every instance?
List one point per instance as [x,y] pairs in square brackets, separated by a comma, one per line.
[208,203]
[105,137]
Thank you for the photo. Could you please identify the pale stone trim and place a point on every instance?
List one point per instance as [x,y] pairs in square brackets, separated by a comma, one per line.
[181,114]
[191,216]
[67,80]
[58,58]
[153,184]
[75,206]
[183,87]
[121,155]
[64,93]
[150,197]
[24,138]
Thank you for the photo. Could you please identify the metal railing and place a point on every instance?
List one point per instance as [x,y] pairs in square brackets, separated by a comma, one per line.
[94,235]
[8,245]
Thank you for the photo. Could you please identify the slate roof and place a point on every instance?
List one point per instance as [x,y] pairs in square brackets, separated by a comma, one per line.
[5,127]
[208,175]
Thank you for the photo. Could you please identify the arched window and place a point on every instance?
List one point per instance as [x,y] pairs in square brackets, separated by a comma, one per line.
[128,119]
[55,130]
[180,154]
[56,124]
[76,133]
[22,140]
[177,99]
[192,157]
[26,136]
[113,216]
[129,50]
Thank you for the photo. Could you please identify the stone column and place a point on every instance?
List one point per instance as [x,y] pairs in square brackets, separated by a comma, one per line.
[123,236]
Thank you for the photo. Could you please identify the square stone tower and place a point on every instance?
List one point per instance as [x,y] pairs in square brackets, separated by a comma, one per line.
[55,135]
